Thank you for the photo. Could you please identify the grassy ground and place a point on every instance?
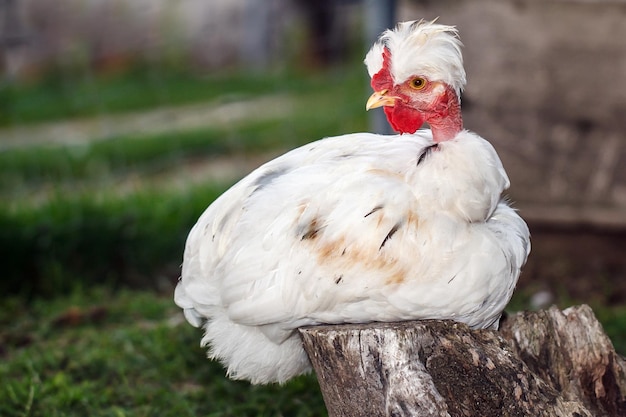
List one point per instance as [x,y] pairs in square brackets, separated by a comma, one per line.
[125,354]
[65,218]
[129,353]
[81,224]
[74,339]
[69,95]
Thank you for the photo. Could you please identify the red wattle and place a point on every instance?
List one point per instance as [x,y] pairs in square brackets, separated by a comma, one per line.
[401,118]
[404,119]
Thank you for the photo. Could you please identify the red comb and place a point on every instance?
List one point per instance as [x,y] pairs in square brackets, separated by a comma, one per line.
[382,80]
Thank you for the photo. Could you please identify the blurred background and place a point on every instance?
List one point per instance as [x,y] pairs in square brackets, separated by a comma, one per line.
[120,121]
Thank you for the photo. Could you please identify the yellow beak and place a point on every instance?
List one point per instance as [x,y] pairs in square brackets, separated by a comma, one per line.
[380,98]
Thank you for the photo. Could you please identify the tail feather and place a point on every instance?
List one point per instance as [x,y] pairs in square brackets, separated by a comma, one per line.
[183,301]
[255,358]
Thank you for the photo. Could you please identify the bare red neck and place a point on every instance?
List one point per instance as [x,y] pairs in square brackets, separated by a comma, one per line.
[445,118]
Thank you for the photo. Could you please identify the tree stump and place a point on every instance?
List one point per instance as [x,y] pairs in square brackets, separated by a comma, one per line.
[548,363]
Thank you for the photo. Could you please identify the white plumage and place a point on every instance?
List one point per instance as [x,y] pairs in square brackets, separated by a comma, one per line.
[420,47]
[355,228]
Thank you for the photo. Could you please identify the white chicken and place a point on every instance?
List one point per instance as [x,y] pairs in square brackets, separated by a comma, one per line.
[360,227]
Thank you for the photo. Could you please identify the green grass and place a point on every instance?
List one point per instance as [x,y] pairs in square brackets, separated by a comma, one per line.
[99,352]
[23,168]
[62,222]
[103,353]
[62,95]
[26,167]
[68,96]
[314,115]
[133,240]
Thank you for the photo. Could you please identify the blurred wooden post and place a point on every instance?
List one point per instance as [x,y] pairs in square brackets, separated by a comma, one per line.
[13,38]
[550,363]
[379,16]
[255,49]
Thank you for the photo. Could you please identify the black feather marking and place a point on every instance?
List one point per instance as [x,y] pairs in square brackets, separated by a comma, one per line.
[311,229]
[393,230]
[310,234]
[425,152]
[374,210]
[338,279]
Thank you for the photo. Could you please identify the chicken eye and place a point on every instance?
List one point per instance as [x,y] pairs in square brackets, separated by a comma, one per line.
[417,83]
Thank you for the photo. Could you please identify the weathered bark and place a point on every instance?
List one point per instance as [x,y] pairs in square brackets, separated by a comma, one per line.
[569,350]
[549,363]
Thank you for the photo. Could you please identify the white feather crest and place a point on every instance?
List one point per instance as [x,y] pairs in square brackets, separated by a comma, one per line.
[421,48]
